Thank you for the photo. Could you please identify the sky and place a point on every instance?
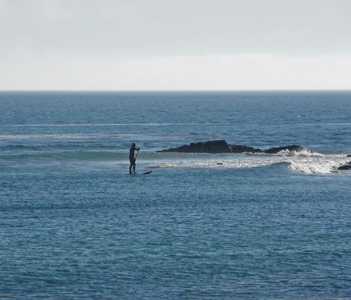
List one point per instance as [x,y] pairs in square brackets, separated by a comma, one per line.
[175,45]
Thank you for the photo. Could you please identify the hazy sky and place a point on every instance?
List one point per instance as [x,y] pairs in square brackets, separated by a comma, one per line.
[175,45]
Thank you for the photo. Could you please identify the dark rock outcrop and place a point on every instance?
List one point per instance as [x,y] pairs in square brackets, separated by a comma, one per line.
[223,147]
[345,168]
[349,155]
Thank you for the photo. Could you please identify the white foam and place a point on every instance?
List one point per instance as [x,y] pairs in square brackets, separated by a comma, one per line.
[306,162]
[304,152]
[324,164]
[229,162]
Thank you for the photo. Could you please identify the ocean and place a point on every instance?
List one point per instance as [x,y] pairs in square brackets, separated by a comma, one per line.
[75,225]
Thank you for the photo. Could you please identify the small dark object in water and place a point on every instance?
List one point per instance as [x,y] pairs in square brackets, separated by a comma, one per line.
[345,168]
[220,164]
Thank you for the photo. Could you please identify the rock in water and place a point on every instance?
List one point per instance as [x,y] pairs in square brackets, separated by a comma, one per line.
[222,146]
[345,168]
[212,147]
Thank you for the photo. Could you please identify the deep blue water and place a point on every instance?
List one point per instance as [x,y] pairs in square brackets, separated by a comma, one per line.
[75,225]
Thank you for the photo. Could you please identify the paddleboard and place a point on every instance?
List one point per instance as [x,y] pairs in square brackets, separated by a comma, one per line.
[146,173]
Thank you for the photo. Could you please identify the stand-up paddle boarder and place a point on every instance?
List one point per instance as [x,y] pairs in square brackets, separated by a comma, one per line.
[132,158]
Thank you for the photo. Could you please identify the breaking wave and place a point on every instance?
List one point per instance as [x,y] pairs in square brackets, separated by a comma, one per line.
[306,162]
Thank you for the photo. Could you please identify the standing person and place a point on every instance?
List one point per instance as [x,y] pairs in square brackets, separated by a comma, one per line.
[132,157]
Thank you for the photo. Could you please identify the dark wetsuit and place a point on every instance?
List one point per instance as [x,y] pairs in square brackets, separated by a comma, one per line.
[132,158]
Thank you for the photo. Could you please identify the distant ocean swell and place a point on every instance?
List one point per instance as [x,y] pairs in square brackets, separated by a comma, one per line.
[69,155]
[119,124]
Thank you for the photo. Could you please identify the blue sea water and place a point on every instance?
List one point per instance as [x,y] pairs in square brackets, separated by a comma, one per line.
[75,225]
